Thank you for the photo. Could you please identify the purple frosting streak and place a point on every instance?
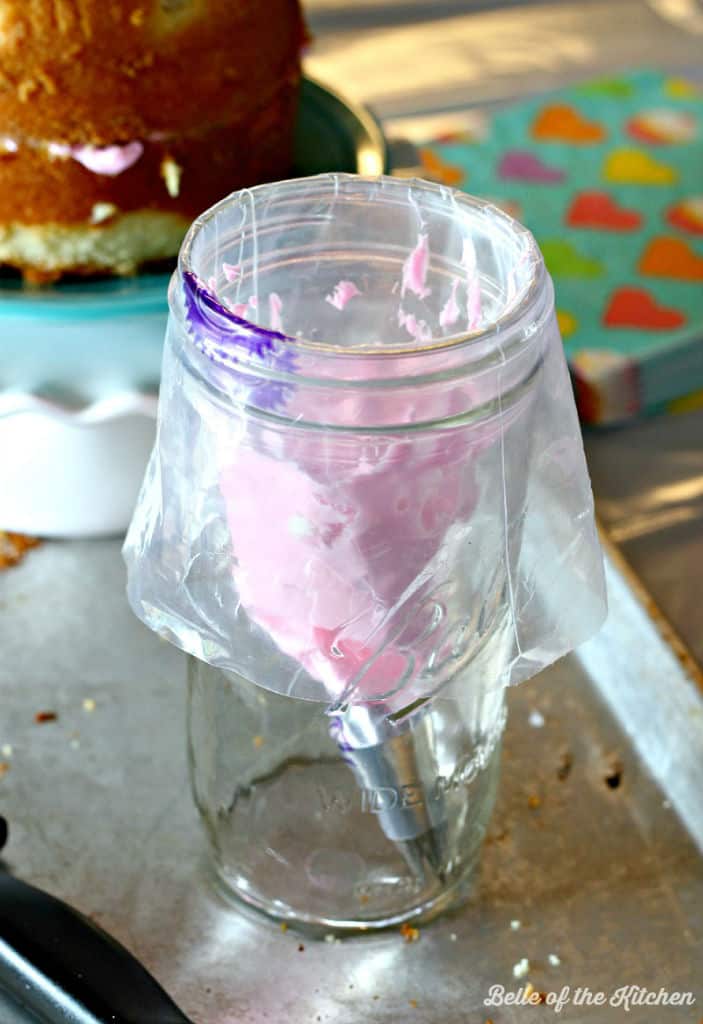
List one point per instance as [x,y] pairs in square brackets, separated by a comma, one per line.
[228,340]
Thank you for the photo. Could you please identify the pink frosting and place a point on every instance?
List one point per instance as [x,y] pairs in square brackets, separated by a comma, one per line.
[450,310]
[336,564]
[241,309]
[473,286]
[232,272]
[415,269]
[418,329]
[107,160]
[343,292]
[331,564]
[275,307]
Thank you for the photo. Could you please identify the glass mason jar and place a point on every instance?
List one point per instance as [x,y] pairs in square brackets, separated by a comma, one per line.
[342,840]
[367,512]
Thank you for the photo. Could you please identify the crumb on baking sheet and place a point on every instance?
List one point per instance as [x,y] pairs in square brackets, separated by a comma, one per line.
[521,968]
[13,547]
[284,926]
[413,1003]
[536,719]
[89,704]
[409,933]
[533,802]
[4,768]
[566,762]
[553,960]
[41,717]
[614,774]
[257,741]
[515,924]
[6,750]
[533,997]
[301,948]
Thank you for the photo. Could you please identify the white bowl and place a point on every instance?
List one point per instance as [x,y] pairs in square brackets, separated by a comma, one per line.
[73,474]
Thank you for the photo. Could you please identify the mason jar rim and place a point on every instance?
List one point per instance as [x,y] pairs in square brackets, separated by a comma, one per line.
[197,292]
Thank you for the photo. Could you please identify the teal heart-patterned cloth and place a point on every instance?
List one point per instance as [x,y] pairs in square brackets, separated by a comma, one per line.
[608,175]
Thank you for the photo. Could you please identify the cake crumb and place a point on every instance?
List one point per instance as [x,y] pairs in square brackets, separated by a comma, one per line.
[565,765]
[533,802]
[4,768]
[89,704]
[409,933]
[515,924]
[13,547]
[102,212]
[258,741]
[172,173]
[301,948]
[329,938]
[74,744]
[6,750]
[536,719]
[521,968]
[47,81]
[553,960]
[614,776]
[452,937]
[284,926]
[413,1003]
[26,89]
[42,717]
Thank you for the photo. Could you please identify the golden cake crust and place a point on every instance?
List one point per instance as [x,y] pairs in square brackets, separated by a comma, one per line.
[112,110]
[101,71]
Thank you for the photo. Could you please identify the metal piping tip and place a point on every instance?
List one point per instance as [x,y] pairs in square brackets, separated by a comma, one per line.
[425,854]
[396,768]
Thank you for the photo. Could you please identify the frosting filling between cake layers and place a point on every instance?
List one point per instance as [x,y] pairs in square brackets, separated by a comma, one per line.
[107,160]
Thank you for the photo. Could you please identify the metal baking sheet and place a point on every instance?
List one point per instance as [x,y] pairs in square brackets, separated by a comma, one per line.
[595,846]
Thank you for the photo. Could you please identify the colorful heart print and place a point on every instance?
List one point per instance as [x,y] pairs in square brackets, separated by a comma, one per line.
[671,257]
[561,122]
[635,167]
[521,165]
[638,309]
[600,211]
[687,215]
